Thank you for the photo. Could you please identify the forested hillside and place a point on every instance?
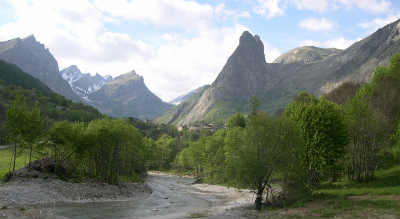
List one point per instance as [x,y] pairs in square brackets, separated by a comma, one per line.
[54,106]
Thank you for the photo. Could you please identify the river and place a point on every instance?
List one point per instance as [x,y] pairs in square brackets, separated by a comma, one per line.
[172,197]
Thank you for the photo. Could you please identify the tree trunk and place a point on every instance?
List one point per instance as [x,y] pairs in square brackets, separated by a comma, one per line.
[15,157]
[30,156]
[258,201]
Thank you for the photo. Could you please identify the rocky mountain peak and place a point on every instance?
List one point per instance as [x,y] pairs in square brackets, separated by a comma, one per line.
[35,59]
[73,68]
[83,84]
[30,39]
[306,55]
[132,75]
[250,47]
[108,78]
[128,96]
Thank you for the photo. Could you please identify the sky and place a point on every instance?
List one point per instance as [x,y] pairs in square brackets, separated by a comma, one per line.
[179,45]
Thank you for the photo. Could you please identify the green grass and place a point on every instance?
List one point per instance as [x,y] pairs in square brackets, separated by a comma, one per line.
[387,182]
[5,161]
[346,199]
[357,200]
[356,208]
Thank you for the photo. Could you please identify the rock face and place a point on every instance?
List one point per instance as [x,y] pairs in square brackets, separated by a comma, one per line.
[311,69]
[128,96]
[83,84]
[33,58]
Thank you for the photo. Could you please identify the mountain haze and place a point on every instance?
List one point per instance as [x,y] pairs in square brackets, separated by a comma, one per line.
[185,97]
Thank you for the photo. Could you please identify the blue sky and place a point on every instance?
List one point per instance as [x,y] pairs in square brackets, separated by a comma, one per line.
[178,45]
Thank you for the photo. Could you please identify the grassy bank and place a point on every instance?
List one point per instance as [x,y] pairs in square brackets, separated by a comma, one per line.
[377,199]
[6,159]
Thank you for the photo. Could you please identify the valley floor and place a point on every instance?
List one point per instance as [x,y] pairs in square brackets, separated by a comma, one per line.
[171,197]
[167,196]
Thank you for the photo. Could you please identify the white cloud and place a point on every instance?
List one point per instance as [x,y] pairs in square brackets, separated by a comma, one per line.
[313,5]
[310,43]
[271,53]
[221,11]
[274,8]
[375,24]
[338,43]
[374,6]
[314,24]
[181,13]
[270,8]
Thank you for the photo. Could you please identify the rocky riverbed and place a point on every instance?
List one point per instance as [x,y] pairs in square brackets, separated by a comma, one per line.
[162,196]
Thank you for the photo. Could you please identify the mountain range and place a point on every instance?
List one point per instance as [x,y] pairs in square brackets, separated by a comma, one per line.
[124,96]
[83,84]
[312,69]
[245,74]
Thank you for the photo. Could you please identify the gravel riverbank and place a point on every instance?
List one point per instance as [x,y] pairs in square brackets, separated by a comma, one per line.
[162,196]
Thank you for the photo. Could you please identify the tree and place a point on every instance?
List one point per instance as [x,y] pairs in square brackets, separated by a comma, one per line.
[15,121]
[167,148]
[260,150]
[34,128]
[236,120]
[116,150]
[66,140]
[324,133]
[367,137]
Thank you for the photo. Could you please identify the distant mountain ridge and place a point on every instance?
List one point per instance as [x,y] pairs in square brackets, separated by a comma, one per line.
[83,84]
[33,58]
[306,55]
[312,69]
[128,96]
[186,96]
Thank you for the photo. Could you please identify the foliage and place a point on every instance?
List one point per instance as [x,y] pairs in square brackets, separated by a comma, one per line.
[324,133]
[245,156]
[14,82]
[25,126]
[114,148]
[268,146]
[367,137]
[343,93]
[153,130]
[372,117]
[236,120]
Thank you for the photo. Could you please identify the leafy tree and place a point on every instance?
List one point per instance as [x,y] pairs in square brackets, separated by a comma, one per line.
[16,119]
[116,150]
[261,149]
[34,127]
[324,133]
[236,120]
[167,148]
[367,138]
[66,139]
